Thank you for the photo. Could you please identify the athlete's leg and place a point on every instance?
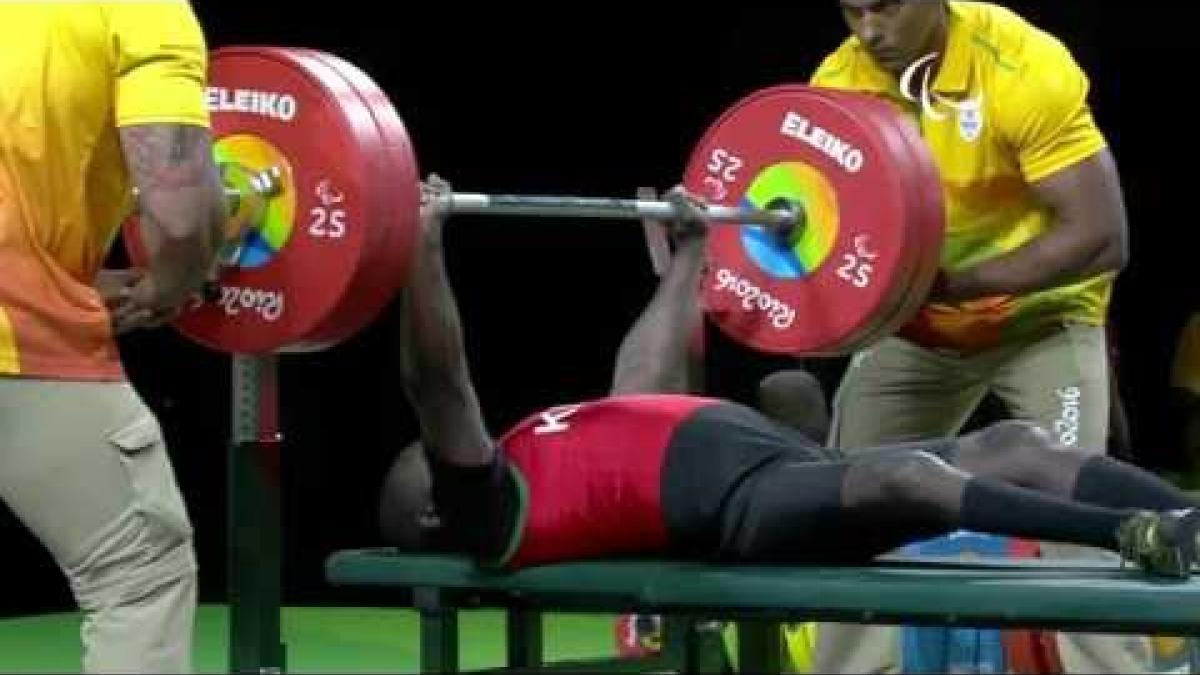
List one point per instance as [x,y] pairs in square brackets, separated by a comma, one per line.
[1025,454]
[804,511]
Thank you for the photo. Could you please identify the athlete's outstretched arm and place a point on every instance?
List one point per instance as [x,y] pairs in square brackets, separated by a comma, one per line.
[655,356]
[433,360]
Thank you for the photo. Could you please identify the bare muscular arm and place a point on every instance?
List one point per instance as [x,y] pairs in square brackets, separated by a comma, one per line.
[655,355]
[182,209]
[1089,237]
[433,360]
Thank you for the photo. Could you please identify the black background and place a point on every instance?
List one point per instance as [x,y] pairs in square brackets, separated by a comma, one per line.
[593,99]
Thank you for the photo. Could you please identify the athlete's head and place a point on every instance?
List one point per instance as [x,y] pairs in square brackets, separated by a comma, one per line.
[406,513]
[795,398]
[897,32]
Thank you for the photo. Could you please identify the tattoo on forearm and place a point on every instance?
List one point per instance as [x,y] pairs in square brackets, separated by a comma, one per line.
[163,156]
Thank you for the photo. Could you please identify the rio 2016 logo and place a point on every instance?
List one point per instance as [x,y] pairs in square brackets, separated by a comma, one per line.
[1067,424]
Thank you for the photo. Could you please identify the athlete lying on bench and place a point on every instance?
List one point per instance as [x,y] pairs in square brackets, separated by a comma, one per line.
[652,472]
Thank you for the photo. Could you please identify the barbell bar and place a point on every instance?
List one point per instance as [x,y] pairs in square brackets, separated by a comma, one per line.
[266,184]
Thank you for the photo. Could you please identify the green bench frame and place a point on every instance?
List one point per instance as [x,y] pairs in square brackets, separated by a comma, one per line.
[895,590]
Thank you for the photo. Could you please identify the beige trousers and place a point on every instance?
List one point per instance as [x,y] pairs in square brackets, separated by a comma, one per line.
[85,468]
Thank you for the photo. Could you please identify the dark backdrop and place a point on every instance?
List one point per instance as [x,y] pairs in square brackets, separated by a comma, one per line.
[590,99]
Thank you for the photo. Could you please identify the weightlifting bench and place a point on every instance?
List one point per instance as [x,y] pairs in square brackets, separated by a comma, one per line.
[898,590]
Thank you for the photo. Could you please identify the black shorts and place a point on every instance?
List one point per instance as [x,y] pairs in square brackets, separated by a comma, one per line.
[739,487]
[711,455]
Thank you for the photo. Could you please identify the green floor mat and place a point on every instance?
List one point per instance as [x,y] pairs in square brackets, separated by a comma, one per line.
[319,640]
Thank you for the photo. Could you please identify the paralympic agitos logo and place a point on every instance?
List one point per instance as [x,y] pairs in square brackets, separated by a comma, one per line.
[915,86]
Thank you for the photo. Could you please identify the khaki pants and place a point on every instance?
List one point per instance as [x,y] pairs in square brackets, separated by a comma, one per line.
[897,391]
[85,468]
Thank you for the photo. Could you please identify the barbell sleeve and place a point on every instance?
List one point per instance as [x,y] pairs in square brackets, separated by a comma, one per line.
[595,207]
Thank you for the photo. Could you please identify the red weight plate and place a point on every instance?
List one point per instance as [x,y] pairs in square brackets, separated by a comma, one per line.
[928,207]
[271,107]
[398,227]
[931,223]
[814,295]
[884,120]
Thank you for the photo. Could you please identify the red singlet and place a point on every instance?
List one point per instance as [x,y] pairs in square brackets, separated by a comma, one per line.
[591,477]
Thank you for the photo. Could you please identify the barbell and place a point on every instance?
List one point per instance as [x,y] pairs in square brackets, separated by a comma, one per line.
[830,204]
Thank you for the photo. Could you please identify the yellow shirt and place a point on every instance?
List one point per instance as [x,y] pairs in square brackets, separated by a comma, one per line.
[72,73]
[1185,371]
[1007,108]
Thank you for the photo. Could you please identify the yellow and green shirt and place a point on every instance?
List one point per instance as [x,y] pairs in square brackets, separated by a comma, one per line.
[1007,108]
[71,74]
